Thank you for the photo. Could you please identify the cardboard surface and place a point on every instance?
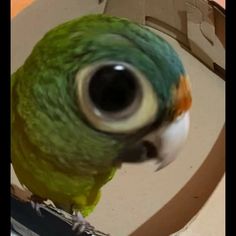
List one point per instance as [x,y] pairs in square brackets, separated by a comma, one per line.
[32,23]
[137,192]
[192,22]
[211,216]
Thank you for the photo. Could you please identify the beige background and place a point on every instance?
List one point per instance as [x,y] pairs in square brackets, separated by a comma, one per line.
[137,192]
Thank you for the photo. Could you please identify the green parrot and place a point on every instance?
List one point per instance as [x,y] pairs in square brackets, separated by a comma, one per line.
[84,100]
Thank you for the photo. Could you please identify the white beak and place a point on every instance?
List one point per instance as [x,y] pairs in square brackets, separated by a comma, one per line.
[171,138]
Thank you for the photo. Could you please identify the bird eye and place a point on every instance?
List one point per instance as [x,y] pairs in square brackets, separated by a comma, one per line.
[115,97]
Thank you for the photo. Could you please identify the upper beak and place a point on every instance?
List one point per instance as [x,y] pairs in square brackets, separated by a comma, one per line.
[172,139]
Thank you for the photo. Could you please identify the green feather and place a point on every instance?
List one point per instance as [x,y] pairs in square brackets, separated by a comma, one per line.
[55,153]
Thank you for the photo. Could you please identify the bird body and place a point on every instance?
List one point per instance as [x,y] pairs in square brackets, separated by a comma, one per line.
[65,149]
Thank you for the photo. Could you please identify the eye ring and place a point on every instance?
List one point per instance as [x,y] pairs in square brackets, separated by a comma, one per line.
[141,111]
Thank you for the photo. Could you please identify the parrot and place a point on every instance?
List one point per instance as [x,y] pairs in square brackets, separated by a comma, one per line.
[83,102]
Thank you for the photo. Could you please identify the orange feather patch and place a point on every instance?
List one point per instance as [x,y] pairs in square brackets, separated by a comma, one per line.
[182,97]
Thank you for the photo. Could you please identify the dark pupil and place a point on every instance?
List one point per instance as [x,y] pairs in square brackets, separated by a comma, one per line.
[112,88]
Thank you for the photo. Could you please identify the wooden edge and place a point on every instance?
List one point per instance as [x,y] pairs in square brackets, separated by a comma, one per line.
[219,6]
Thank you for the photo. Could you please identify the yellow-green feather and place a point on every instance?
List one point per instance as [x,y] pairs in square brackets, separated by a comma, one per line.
[55,152]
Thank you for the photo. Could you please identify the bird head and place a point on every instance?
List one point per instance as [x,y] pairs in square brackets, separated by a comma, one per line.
[94,88]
